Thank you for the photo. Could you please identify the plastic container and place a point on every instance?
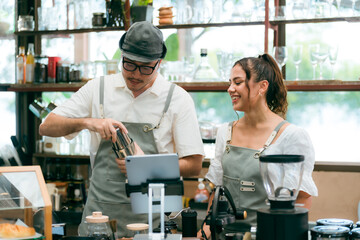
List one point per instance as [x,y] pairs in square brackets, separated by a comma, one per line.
[355,233]
[330,232]
[335,222]
[201,194]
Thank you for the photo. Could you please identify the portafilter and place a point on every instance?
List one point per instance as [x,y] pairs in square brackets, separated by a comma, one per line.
[124,145]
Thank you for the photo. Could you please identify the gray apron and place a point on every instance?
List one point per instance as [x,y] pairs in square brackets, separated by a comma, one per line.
[243,179]
[107,184]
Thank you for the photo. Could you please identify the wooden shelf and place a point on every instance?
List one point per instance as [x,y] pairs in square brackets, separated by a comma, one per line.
[54,155]
[308,85]
[184,26]
[315,20]
[107,29]
[43,87]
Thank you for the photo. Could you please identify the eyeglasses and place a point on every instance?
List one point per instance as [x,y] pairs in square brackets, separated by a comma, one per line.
[145,70]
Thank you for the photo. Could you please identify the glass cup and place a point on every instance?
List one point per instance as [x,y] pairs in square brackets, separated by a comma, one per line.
[280,13]
[184,12]
[112,67]
[280,55]
[313,51]
[298,10]
[297,57]
[320,9]
[25,23]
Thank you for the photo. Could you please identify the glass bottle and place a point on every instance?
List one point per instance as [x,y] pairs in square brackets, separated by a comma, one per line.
[48,175]
[98,227]
[30,64]
[20,65]
[204,72]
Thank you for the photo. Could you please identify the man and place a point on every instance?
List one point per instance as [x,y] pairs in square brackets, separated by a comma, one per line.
[160,119]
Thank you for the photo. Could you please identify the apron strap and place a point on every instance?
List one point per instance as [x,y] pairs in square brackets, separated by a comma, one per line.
[101,89]
[270,139]
[229,132]
[147,128]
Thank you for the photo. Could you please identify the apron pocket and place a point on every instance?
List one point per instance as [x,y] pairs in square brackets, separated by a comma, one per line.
[113,172]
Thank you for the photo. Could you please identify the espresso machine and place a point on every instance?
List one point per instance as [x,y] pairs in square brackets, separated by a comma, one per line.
[282,175]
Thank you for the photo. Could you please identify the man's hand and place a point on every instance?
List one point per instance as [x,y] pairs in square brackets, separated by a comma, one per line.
[105,127]
[121,161]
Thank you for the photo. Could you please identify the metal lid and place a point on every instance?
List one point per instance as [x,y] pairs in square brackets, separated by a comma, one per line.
[335,222]
[282,158]
[97,217]
[329,231]
[355,232]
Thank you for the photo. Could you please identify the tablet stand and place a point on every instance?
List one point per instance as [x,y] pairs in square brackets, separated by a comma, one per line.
[156,193]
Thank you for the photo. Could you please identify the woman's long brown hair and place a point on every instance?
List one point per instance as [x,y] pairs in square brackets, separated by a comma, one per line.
[261,68]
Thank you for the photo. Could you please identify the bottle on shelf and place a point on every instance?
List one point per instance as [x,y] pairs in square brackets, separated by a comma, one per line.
[201,194]
[68,171]
[204,72]
[48,174]
[20,66]
[30,64]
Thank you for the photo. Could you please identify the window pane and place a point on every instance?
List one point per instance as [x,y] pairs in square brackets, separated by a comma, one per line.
[342,34]
[7,72]
[7,111]
[332,120]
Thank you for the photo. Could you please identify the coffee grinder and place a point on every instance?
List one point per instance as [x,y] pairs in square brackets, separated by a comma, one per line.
[282,175]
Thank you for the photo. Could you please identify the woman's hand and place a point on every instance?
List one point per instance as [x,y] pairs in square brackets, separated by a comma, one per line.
[206,229]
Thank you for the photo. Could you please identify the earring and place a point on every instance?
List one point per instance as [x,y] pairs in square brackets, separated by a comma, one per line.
[260,93]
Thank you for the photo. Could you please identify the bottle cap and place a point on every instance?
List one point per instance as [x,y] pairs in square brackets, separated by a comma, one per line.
[97,217]
[203,51]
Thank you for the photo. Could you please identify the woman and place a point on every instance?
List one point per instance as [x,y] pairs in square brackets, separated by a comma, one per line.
[257,89]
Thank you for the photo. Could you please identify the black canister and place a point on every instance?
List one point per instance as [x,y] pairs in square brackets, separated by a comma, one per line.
[330,232]
[40,69]
[335,222]
[355,233]
[98,19]
[189,223]
[234,236]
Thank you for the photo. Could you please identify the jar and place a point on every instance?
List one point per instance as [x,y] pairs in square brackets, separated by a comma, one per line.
[25,23]
[355,233]
[112,67]
[330,232]
[335,222]
[40,69]
[97,226]
[98,19]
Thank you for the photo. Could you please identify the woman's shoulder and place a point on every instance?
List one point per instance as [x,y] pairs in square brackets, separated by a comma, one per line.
[294,130]
[294,133]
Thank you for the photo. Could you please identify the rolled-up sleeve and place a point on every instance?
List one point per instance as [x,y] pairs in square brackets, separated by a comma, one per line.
[215,173]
